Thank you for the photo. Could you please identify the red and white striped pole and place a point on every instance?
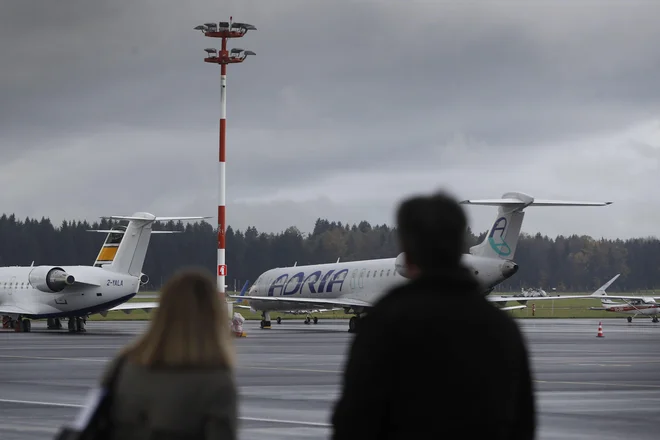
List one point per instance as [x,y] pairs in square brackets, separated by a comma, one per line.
[224,30]
[222,266]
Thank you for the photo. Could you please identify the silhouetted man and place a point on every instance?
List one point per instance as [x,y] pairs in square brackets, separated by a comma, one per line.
[433,358]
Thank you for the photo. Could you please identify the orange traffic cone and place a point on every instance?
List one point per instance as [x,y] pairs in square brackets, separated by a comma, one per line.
[600,330]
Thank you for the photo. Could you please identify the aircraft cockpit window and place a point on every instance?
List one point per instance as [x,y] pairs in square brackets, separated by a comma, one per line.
[381,272]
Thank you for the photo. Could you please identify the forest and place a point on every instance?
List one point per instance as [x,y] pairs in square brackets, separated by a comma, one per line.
[565,263]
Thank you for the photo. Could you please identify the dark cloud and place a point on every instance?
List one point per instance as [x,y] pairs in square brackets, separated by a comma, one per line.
[337,90]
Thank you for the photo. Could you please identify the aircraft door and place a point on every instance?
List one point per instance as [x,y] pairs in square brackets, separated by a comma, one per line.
[353,273]
[10,291]
[361,279]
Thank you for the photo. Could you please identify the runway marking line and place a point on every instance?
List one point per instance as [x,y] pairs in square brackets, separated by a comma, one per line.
[251,419]
[246,367]
[607,384]
[604,365]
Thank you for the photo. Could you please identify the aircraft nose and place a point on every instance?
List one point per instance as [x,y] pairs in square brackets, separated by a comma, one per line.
[509,268]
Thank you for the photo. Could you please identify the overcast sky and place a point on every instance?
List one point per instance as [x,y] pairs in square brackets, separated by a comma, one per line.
[349,106]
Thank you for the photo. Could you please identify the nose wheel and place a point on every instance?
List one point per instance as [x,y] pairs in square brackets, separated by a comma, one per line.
[265,322]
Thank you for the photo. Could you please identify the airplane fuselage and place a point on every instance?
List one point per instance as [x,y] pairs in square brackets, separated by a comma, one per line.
[634,309]
[59,291]
[365,280]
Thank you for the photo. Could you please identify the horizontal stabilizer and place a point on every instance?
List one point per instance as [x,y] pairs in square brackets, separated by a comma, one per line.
[536,202]
[119,231]
[150,217]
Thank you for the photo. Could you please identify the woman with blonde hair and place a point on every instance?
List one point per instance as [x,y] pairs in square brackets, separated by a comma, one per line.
[176,381]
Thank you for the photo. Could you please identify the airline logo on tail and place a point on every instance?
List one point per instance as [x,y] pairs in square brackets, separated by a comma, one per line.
[497,243]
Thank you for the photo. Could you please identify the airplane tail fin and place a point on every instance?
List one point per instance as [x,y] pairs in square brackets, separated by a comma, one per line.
[238,298]
[502,238]
[600,292]
[125,247]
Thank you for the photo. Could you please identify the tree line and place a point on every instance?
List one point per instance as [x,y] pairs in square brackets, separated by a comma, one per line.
[566,263]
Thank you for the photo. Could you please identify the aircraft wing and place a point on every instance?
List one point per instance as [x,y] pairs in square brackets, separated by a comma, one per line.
[537,298]
[655,298]
[298,311]
[128,307]
[313,303]
[13,310]
[512,307]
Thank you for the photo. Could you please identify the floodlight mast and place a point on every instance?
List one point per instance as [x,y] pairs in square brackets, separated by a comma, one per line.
[224,31]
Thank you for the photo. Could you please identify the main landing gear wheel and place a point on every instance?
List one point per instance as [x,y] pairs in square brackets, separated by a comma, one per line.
[77,325]
[279,320]
[629,318]
[310,319]
[354,324]
[21,325]
[655,319]
[54,324]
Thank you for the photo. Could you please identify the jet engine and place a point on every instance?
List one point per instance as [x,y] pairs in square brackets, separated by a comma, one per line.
[144,278]
[50,279]
[400,265]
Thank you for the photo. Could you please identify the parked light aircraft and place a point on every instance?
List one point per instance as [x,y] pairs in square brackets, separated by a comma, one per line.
[631,305]
[503,299]
[75,292]
[324,285]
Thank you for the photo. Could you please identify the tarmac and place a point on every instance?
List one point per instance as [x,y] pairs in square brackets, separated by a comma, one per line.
[288,377]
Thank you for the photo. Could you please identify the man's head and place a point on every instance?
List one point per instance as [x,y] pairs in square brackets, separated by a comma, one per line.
[432,232]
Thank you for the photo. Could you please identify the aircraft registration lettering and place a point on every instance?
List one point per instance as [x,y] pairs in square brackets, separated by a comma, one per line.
[316,282]
[117,283]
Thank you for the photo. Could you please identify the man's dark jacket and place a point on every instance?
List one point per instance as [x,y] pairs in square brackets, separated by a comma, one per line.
[435,359]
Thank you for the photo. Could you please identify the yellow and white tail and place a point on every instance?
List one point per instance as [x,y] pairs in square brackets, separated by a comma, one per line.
[125,247]
[502,238]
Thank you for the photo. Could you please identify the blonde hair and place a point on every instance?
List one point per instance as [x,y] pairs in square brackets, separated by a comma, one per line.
[190,327]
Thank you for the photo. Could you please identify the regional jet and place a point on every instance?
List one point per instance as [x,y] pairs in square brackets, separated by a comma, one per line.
[356,286]
[53,292]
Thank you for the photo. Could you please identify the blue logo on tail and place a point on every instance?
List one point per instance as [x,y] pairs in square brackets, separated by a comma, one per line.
[497,243]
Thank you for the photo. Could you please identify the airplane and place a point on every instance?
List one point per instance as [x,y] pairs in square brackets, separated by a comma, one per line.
[323,285]
[501,300]
[632,305]
[75,292]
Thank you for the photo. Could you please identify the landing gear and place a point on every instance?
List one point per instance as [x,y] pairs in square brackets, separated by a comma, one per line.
[265,322]
[77,324]
[354,324]
[309,319]
[279,320]
[54,324]
[629,318]
[20,325]
[655,319]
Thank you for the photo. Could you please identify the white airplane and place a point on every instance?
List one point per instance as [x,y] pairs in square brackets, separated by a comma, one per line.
[75,292]
[323,285]
[631,305]
[501,300]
